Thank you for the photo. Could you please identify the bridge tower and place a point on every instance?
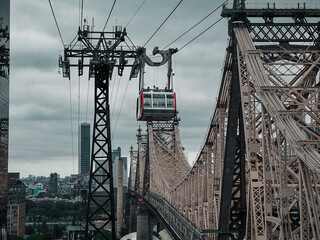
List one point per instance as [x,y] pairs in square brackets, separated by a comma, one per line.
[272,144]
[257,173]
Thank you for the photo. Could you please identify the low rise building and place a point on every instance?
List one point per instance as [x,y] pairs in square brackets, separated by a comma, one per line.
[16,208]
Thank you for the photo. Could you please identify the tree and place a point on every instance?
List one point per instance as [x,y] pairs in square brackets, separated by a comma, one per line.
[30,230]
[57,231]
[44,227]
[47,236]
[61,206]
[29,205]
[34,237]
[53,212]
[15,238]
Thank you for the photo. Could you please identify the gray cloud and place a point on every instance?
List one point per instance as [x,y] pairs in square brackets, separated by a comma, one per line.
[40,122]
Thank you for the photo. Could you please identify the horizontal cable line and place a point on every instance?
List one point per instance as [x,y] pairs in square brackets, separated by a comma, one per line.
[162,23]
[55,19]
[114,2]
[135,13]
[196,24]
[200,33]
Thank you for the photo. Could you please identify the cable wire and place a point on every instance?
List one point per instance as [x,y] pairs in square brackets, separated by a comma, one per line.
[79,13]
[135,13]
[124,96]
[71,121]
[114,2]
[200,33]
[196,24]
[163,23]
[87,101]
[112,88]
[81,20]
[79,102]
[55,19]
[115,99]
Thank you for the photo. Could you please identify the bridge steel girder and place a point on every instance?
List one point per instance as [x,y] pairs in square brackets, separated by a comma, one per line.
[233,218]
[278,96]
[278,118]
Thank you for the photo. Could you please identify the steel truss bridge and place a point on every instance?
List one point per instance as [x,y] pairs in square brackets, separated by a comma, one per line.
[257,175]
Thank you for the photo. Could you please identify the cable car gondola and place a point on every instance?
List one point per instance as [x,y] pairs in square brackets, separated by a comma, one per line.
[156,105]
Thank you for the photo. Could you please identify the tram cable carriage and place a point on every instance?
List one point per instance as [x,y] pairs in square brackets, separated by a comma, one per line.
[156,105]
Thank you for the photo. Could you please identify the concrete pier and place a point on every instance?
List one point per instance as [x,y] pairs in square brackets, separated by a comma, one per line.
[142,223]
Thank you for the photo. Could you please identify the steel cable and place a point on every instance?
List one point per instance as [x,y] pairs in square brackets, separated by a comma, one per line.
[87,101]
[125,93]
[196,24]
[163,23]
[79,101]
[114,2]
[115,99]
[81,19]
[135,12]
[200,33]
[55,19]
[71,121]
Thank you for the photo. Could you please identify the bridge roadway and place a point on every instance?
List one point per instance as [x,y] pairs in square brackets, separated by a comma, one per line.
[257,174]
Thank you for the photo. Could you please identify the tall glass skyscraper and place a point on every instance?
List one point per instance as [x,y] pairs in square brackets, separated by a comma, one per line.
[4,110]
[84,148]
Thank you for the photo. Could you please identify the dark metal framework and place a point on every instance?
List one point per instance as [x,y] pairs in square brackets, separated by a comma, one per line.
[233,195]
[142,139]
[101,52]
[146,177]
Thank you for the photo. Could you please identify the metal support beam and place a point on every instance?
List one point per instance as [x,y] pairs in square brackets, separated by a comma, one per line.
[101,196]
[232,205]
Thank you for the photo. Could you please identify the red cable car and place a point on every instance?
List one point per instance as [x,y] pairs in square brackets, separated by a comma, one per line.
[156,105]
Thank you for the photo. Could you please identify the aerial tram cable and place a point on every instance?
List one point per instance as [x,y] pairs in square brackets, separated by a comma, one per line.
[79,98]
[163,23]
[115,99]
[81,15]
[200,33]
[112,89]
[196,24]
[124,96]
[135,13]
[114,2]
[55,19]
[71,123]
[87,101]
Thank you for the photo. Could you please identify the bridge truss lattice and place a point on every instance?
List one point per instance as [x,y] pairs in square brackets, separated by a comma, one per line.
[257,173]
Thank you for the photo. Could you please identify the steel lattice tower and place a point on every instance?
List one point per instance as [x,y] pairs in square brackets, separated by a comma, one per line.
[101,52]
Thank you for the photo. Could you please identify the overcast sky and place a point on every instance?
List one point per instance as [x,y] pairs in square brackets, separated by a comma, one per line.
[41,138]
